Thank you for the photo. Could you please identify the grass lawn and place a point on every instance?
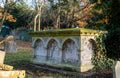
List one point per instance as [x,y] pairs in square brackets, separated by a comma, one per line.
[19,59]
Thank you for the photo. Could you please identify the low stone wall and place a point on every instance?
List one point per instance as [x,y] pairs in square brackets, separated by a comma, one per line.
[65,48]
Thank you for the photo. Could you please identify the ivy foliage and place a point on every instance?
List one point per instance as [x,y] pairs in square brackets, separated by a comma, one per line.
[99,59]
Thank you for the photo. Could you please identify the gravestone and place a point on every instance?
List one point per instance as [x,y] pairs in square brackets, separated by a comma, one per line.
[10,44]
[2,56]
[117,69]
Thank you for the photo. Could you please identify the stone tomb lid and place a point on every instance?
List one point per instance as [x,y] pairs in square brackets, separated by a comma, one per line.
[66,32]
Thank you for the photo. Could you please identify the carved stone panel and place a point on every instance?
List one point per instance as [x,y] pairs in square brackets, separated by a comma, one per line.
[53,52]
[39,50]
[70,53]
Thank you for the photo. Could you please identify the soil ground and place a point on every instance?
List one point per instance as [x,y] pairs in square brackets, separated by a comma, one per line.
[24,44]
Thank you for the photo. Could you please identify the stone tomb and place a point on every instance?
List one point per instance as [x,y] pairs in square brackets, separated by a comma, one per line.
[65,48]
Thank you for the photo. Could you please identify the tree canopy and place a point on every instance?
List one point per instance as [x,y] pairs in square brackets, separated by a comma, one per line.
[106,16]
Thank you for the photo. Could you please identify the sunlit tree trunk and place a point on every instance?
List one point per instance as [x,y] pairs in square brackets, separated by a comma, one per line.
[3,18]
[35,22]
[58,18]
[39,23]
[99,1]
[39,18]
[39,6]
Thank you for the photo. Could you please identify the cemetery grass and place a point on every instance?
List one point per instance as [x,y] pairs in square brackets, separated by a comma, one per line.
[20,59]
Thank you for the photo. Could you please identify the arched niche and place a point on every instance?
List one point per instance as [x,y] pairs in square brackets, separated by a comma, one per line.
[89,46]
[53,52]
[70,53]
[57,40]
[39,50]
[76,40]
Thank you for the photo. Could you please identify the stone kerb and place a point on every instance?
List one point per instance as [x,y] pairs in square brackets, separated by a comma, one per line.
[65,48]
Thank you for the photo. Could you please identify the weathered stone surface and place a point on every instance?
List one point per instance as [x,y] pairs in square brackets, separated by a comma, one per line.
[10,46]
[12,74]
[2,56]
[5,67]
[116,69]
[65,48]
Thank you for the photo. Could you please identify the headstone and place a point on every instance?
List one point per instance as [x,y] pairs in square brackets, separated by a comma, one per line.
[117,70]
[10,44]
[2,56]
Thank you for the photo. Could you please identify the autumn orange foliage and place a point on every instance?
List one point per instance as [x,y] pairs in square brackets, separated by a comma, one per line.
[8,16]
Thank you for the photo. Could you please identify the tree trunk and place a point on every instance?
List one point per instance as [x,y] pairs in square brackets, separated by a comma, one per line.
[35,22]
[3,17]
[58,22]
[39,22]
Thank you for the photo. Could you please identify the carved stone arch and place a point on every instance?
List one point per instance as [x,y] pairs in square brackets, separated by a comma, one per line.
[37,40]
[56,39]
[88,50]
[53,51]
[93,43]
[77,43]
[70,53]
[39,50]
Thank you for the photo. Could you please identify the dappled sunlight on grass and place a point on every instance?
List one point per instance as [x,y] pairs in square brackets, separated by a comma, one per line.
[18,59]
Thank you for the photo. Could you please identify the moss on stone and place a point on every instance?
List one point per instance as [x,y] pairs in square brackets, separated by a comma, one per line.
[65,32]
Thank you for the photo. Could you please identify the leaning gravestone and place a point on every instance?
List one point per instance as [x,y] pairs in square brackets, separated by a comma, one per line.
[10,44]
[117,70]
